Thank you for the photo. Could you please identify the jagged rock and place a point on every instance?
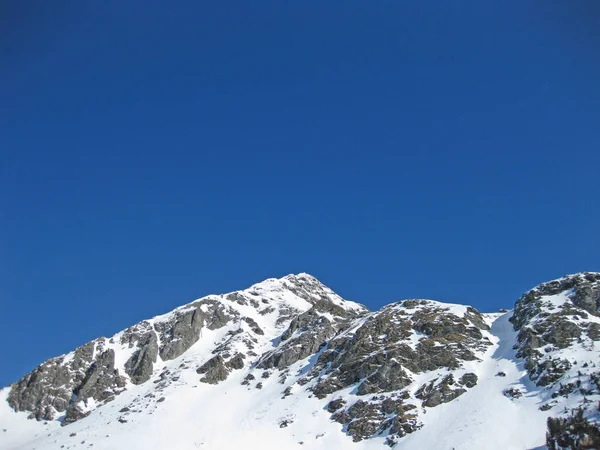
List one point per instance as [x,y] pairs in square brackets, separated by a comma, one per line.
[512,393]
[183,330]
[49,389]
[447,339]
[214,370]
[549,371]
[74,413]
[560,332]
[434,394]
[468,380]
[593,331]
[301,346]
[366,419]
[237,362]
[101,381]
[587,297]
[476,318]
[46,391]
[388,377]
[237,297]
[548,325]
[336,404]
[254,326]
[140,365]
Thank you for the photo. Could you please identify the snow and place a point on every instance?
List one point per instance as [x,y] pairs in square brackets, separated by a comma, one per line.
[483,417]
[230,415]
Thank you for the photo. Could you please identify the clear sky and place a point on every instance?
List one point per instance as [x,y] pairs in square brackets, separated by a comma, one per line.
[155,152]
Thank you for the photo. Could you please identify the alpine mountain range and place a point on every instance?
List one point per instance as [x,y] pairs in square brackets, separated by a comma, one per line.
[289,364]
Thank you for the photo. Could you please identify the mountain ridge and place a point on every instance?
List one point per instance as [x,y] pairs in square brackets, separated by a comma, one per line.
[377,375]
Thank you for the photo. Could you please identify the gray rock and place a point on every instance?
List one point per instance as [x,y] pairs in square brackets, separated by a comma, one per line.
[544,324]
[593,331]
[60,384]
[140,365]
[237,362]
[380,363]
[587,297]
[254,326]
[512,393]
[336,404]
[101,382]
[183,330]
[468,380]
[214,370]
[307,334]
[434,394]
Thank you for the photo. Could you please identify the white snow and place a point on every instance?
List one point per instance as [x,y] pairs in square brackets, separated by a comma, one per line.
[231,416]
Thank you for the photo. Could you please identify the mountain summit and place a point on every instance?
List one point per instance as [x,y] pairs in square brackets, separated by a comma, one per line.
[289,364]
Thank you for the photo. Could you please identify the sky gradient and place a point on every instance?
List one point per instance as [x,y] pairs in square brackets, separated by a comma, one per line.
[151,155]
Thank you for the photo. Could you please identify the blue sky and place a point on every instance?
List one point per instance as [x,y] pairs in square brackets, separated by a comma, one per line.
[393,149]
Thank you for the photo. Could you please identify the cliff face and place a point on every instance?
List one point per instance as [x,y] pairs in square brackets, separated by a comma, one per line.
[351,377]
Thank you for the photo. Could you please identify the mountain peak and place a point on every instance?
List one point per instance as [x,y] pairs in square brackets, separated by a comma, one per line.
[289,362]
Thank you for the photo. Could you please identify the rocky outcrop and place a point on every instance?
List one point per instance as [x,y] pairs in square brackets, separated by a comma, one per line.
[377,355]
[182,330]
[140,365]
[101,383]
[214,370]
[437,392]
[554,316]
[414,335]
[380,415]
[308,333]
[64,384]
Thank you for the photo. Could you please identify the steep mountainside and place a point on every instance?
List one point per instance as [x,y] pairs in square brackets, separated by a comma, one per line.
[288,363]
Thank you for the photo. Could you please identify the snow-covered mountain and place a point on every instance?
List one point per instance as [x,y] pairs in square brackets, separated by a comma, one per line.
[288,364]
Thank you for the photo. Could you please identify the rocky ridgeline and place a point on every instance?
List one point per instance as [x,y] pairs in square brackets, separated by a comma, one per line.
[65,385]
[376,372]
[68,387]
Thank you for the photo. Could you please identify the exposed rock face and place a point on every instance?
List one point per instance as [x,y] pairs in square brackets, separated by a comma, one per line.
[63,385]
[181,331]
[378,353]
[101,383]
[383,414]
[434,394]
[414,335]
[140,365]
[214,370]
[308,333]
[551,317]
[91,373]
